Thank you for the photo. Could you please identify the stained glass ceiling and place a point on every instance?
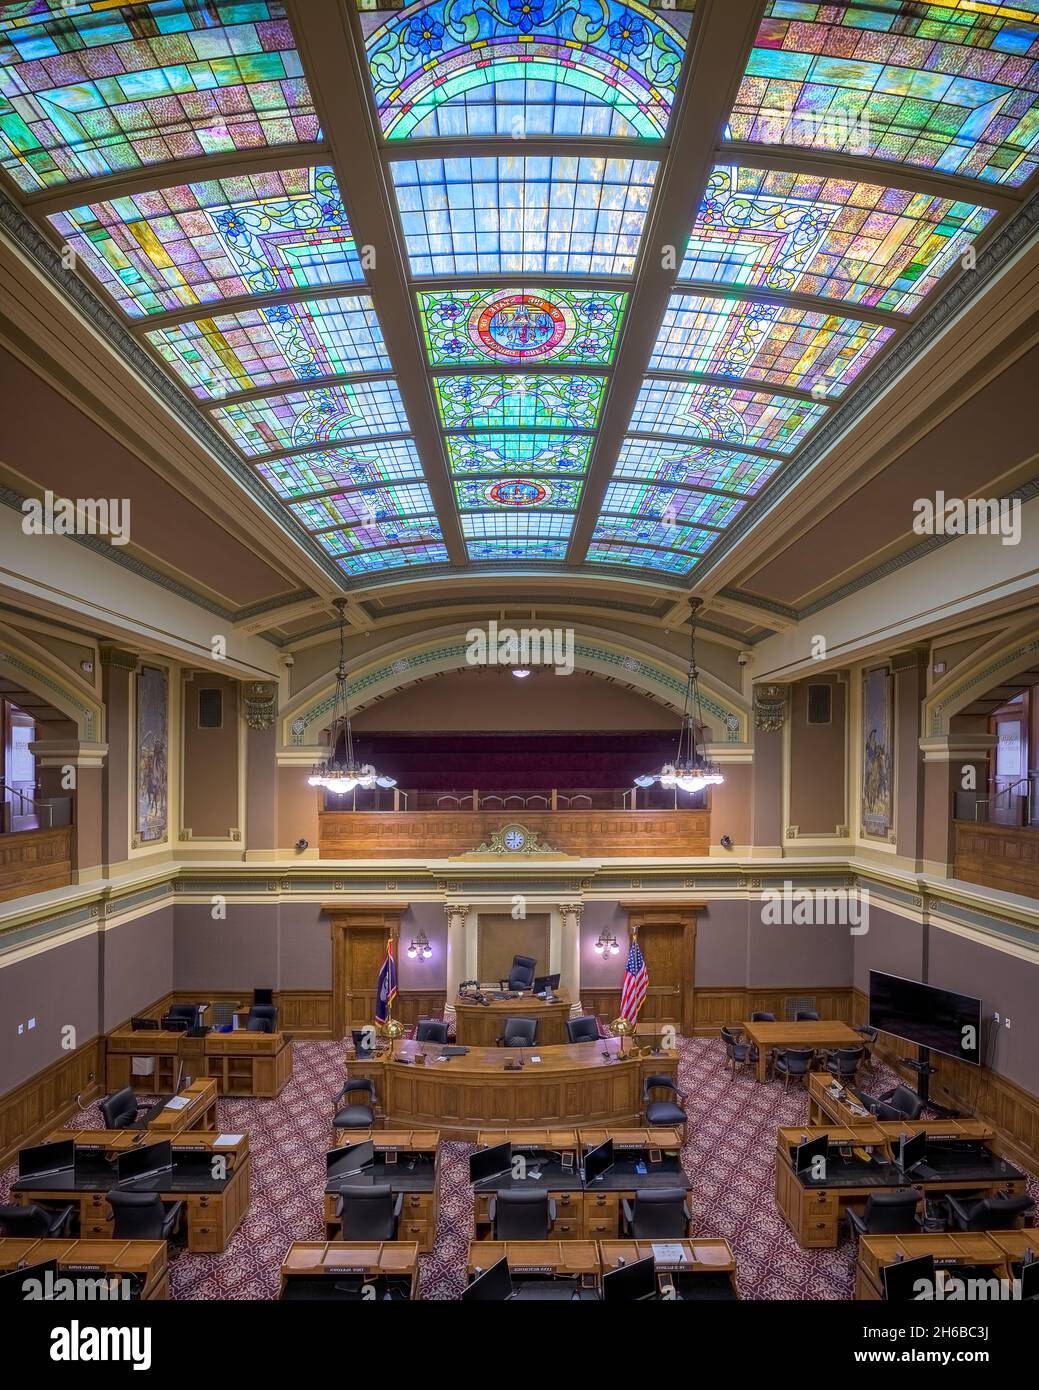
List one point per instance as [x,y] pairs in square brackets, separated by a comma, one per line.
[805,259]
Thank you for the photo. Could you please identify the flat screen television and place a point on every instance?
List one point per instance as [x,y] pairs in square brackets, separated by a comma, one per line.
[936,1018]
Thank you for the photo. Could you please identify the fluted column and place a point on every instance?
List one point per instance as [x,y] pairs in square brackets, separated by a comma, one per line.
[456,915]
[570,964]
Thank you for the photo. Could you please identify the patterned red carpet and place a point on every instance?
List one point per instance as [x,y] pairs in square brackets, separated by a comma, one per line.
[729,1159]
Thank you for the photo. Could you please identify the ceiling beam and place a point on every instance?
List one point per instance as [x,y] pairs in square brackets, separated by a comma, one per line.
[331,49]
[756,384]
[509,146]
[773,616]
[813,303]
[722,37]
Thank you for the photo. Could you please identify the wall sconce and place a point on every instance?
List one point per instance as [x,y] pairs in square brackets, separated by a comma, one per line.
[420,947]
[607,944]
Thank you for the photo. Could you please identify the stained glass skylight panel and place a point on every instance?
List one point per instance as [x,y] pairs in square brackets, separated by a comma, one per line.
[357,562]
[834,238]
[365,507]
[507,550]
[555,69]
[275,344]
[523,214]
[356,410]
[641,557]
[645,530]
[540,526]
[715,412]
[325,470]
[951,86]
[201,242]
[91,89]
[769,342]
[519,402]
[517,494]
[377,535]
[529,451]
[521,325]
[694,465]
[672,505]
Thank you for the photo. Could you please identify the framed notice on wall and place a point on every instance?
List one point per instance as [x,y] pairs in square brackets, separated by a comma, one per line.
[877,752]
[152,756]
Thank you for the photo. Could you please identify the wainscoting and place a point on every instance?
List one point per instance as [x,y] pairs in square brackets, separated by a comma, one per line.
[34,861]
[715,1007]
[998,856]
[308,1013]
[46,1100]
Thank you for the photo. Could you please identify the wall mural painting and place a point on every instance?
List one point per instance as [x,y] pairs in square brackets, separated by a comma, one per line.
[152,775]
[877,752]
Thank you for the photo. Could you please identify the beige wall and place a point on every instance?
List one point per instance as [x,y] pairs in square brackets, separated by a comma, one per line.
[817,760]
[211,765]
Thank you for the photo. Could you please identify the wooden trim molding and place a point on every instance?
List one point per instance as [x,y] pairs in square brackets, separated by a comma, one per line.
[720,1005]
[47,1099]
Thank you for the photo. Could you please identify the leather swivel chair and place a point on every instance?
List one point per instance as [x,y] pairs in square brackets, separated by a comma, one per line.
[143,1216]
[120,1110]
[886,1214]
[431,1030]
[35,1223]
[658,1213]
[369,1213]
[263,1018]
[988,1213]
[584,1029]
[806,1016]
[519,1032]
[521,1215]
[762,1017]
[189,1012]
[900,1103]
[521,976]
[355,1114]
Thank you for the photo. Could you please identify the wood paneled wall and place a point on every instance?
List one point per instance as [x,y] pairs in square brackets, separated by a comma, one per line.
[47,1099]
[998,856]
[34,861]
[715,1007]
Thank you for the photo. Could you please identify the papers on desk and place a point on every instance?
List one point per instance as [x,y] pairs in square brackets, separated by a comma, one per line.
[535,1059]
[178,1103]
[669,1254]
[227,1141]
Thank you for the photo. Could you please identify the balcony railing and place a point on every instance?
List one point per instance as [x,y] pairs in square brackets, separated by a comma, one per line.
[552,799]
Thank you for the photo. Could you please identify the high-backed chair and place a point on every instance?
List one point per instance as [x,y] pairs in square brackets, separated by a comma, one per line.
[761,1017]
[369,1213]
[988,1213]
[806,1016]
[431,1030]
[869,1036]
[521,976]
[120,1110]
[521,1215]
[519,1032]
[584,1029]
[738,1052]
[900,1103]
[664,1111]
[189,1012]
[792,1062]
[844,1062]
[355,1114]
[263,1018]
[143,1216]
[886,1214]
[658,1213]
[35,1223]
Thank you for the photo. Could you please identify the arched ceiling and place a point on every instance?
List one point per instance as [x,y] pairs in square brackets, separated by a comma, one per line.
[560,290]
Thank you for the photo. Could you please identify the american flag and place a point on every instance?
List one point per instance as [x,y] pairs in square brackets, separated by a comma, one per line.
[636,982]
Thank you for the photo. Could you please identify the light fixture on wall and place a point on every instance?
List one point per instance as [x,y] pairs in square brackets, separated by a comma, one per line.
[607,944]
[520,672]
[693,771]
[343,774]
[420,947]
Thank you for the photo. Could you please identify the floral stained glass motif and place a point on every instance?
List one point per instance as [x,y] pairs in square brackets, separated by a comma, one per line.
[365,507]
[671,505]
[357,562]
[332,414]
[523,215]
[329,470]
[732,416]
[531,451]
[517,494]
[951,86]
[376,535]
[646,530]
[588,67]
[694,465]
[92,89]
[518,402]
[517,549]
[521,325]
[280,343]
[768,342]
[834,238]
[641,557]
[202,242]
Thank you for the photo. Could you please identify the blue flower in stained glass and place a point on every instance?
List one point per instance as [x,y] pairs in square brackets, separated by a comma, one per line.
[425,35]
[627,34]
[526,14]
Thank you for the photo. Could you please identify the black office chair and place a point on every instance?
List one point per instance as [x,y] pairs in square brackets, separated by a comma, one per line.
[760,1017]
[355,1114]
[844,1062]
[191,1013]
[519,1032]
[737,1051]
[35,1223]
[262,1018]
[521,976]
[143,1216]
[795,1062]
[431,1030]
[584,1029]
[369,1213]
[521,1215]
[988,1213]
[886,1214]
[898,1104]
[120,1110]
[869,1037]
[659,1213]
[664,1112]
[806,1016]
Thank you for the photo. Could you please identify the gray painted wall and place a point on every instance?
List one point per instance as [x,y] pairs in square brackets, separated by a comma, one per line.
[56,987]
[136,965]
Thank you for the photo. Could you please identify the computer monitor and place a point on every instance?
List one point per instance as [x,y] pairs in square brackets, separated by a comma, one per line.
[144,1025]
[632,1283]
[490,1163]
[1030,1280]
[901,1279]
[911,1151]
[493,1286]
[598,1161]
[806,1154]
[348,1160]
[263,996]
[142,1162]
[13,1284]
[363,1039]
[175,1025]
[546,982]
[42,1159]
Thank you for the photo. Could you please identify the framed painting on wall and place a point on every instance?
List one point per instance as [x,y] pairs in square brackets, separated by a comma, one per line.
[877,752]
[152,756]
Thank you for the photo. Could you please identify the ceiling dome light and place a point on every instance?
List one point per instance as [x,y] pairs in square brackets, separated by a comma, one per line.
[694,771]
[520,672]
[335,774]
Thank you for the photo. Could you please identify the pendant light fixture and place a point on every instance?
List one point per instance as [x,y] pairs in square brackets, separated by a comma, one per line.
[342,774]
[692,770]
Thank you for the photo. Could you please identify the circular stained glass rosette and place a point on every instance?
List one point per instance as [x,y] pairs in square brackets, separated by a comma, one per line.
[517,492]
[521,327]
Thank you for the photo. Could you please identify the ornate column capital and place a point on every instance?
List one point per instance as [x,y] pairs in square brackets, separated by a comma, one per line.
[770,707]
[571,909]
[260,703]
[456,910]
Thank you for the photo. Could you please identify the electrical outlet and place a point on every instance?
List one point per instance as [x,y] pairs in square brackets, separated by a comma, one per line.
[21,1029]
[32,1024]
[997,1018]
[1006,1021]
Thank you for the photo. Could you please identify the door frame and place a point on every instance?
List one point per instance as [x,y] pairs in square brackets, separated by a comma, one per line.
[682,916]
[343,922]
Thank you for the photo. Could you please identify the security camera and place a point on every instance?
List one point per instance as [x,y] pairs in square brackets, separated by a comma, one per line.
[726,842]
[743,659]
[302,844]
[288,659]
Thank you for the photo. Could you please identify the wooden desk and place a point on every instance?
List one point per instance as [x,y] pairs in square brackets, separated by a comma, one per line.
[822,1108]
[966,1248]
[418,1218]
[810,1033]
[549,1259]
[212,1215]
[706,1257]
[461,1096]
[199,1113]
[1015,1244]
[145,1260]
[478,1025]
[332,1260]
[242,1063]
